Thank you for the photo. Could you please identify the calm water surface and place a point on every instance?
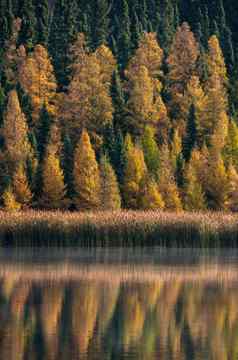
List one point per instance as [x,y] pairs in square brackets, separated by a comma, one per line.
[118,304]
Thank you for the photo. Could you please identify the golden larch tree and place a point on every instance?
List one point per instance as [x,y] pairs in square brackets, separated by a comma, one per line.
[167,184]
[176,149]
[110,193]
[9,201]
[150,198]
[107,64]
[88,103]
[216,181]
[21,187]
[86,175]
[194,196]
[182,62]
[232,176]
[216,66]
[214,119]
[148,54]
[195,96]
[134,175]
[230,151]
[54,190]
[15,132]
[36,76]
[182,58]
[145,105]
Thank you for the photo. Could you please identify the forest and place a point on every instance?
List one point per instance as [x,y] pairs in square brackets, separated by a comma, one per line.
[127,104]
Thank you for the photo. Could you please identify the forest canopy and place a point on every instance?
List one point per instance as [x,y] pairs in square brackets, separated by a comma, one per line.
[130,104]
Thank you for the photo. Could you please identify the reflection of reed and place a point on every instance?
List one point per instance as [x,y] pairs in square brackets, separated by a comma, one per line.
[118,273]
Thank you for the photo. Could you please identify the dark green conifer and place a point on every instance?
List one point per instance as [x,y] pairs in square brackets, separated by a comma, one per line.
[119,103]
[42,21]
[43,132]
[28,34]
[68,164]
[124,33]
[101,22]
[190,138]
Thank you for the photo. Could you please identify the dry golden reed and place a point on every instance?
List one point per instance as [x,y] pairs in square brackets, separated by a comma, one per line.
[124,228]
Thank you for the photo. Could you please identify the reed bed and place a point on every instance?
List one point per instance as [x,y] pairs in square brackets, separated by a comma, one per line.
[125,228]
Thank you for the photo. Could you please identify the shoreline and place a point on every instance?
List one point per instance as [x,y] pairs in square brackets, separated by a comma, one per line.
[118,229]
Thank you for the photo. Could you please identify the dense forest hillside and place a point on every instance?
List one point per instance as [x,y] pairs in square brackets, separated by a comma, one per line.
[108,104]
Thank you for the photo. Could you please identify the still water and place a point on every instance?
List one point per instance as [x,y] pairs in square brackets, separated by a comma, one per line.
[118,304]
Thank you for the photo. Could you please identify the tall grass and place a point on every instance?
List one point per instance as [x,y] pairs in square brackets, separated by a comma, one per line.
[125,228]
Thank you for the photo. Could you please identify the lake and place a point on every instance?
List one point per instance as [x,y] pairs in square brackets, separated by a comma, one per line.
[148,303]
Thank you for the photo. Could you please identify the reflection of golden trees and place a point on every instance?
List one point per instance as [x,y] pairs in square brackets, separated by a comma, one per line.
[153,320]
[85,299]
[51,309]
[133,316]
[108,300]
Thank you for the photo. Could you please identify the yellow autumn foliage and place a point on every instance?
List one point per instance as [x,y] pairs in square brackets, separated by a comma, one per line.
[21,187]
[15,132]
[53,193]
[36,76]
[86,175]
[9,200]
[134,175]
[150,198]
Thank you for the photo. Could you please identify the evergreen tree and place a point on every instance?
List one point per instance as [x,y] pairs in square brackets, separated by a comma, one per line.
[86,175]
[110,193]
[11,57]
[119,102]
[63,31]
[136,31]
[68,164]
[28,30]
[101,22]
[6,19]
[114,147]
[124,33]
[43,132]
[190,138]
[42,21]
[2,105]
[167,25]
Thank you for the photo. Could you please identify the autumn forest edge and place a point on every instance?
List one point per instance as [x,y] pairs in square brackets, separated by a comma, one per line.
[126,104]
